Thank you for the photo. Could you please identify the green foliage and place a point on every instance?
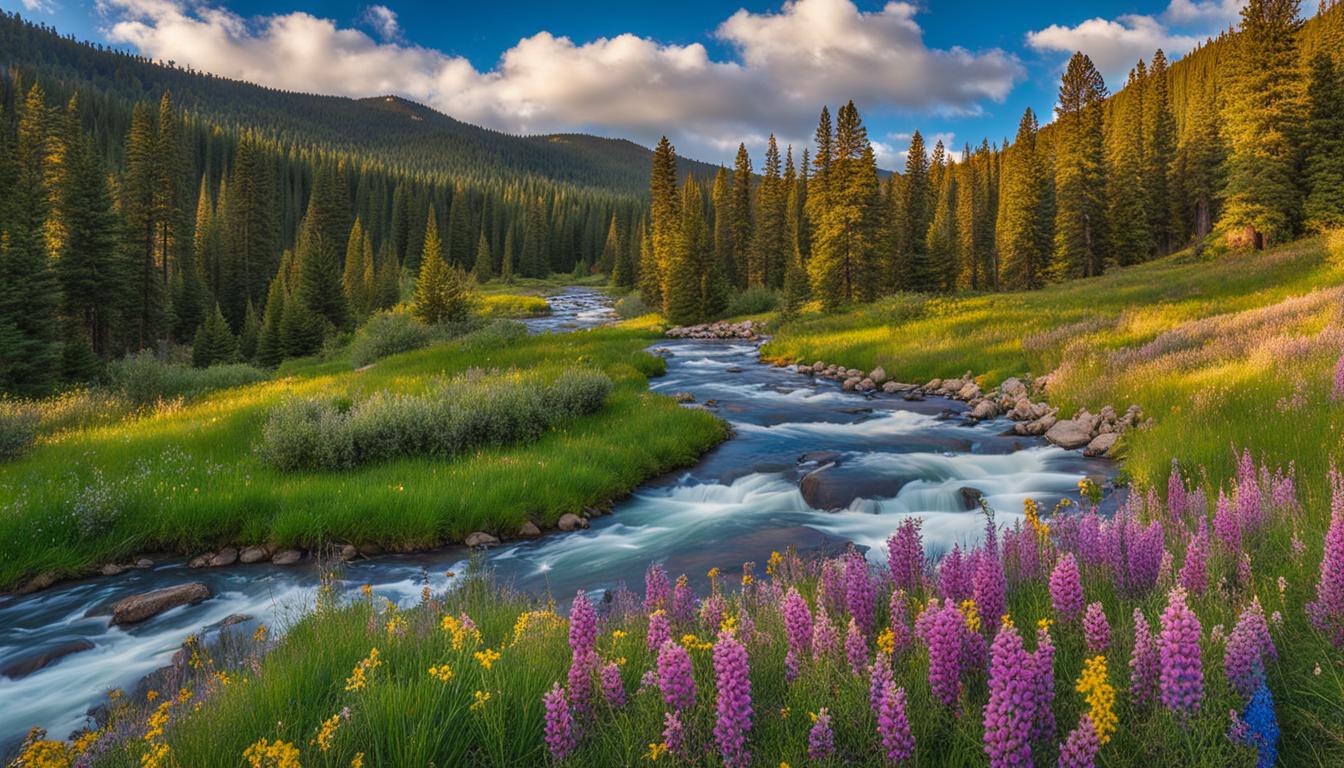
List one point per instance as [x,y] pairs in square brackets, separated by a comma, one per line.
[752,301]
[1080,180]
[631,306]
[18,428]
[387,333]
[144,379]
[440,290]
[509,305]
[1325,153]
[214,343]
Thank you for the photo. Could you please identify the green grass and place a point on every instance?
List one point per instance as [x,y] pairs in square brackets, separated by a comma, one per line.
[187,477]
[512,305]
[540,286]
[1234,349]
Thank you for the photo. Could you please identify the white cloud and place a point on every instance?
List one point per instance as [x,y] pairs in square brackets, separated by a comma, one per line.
[787,64]
[1215,13]
[384,22]
[40,6]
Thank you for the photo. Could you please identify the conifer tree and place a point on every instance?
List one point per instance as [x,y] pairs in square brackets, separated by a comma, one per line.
[1022,232]
[766,257]
[842,267]
[270,338]
[968,275]
[721,203]
[250,334]
[1325,144]
[1127,213]
[440,294]
[683,302]
[250,229]
[800,234]
[1198,171]
[914,272]
[1159,148]
[137,207]
[612,252]
[482,270]
[506,260]
[318,281]
[1080,183]
[170,190]
[941,240]
[459,245]
[740,218]
[649,278]
[214,343]
[665,222]
[988,183]
[1262,116]
[352,276]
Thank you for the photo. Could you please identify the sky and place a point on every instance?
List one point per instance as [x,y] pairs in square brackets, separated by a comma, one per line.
[708,75]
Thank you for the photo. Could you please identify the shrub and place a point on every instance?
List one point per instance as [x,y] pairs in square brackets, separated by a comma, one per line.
[496,334]
[576,393]
[752,301]
[144,379]
[303,432]
[1334,247]
[504,305]
[18,428]
[631,306]
[387,333]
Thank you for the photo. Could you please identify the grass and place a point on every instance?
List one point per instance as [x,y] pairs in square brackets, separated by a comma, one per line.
[1222,350]
[512,305]
[539,286]
[187,478]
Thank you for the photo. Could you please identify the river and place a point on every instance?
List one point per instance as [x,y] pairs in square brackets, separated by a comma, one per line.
[876,460]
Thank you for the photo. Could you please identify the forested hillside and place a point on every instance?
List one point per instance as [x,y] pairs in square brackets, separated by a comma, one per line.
[1243,138]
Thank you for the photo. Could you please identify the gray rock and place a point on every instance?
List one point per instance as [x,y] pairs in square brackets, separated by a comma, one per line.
[804,369]
[137,608]
[934,385]
[39,582]
[477,539]
[529,530]
[226,556]
[850,383]
[890,387]
[1069,434]
[571,522]
[347,552]
[867,385]
[878,375]
[286,557]
[111,569]
[27,665]
[968,391]
[914,396]
[1101,444]
[854,373]
[970,498]
[1013,387]
[144,562]
[201,561]
[985,410]
[252,555]
[683,397]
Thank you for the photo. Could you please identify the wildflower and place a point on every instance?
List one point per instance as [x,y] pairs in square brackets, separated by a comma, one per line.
[899,631]
[856,649]
[905,555]
[989,585]
[359,678]
[713,573]
[683,601]
[1226,523]
[487,657]
[358,761]
[1326,612]
[443,673]
[479,700]
[656,750]
[821,740]
[657,589]
[582,625]
[1182,676]
[1081,747]
[156,722]
[1100,696]
[1176,494]
[879,677]
[886,641]
[1144,663]
[1043,679]
[1258,727]
[734,701]
[674,735]
[970,615]
[1066,589]
[157,756]
[824,636]
[272,754]
[712,611]
[773,563]
[559,729]
[893,727]
[1096,629]
[942,630]
[659,632]
[1337,394]
[797,623]
[612,687]
[1247,648]
[580,679]
[617,634]
[259,636]
[860,595]
[675,677]
[954,575]
[1010,710]
[1195,572]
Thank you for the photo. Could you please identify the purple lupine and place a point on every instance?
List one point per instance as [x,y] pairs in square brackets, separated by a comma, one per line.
[1011,707]
[954,577]
[683,601]
[1146,548]
[1080,749]
[1226,524]
[989,588]
[901,638]
[1182,675]
[821,740]
[1066,589]
[1197,502]
[559,723]
[612,687]
[905,555]
[1327,610]
[879,678]
[942,630]
[674,734]
[1249,511]
[1337,394]
[1247,648]
[831,591]
[580,681]
[657,589]
[893,726]
[797,623]
[1096,630]
[675,677]
[856,648]
[1176,495]
[1043,679]
[1195,570]
[1145,664]
[733,702]
[582,626]
[660,630]
[746,627]
[860,594]
[824,636]
[712,611]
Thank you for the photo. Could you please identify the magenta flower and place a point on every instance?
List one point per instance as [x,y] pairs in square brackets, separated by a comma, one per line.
[581,681]
[675,677]
[1248,647]
[657,589]
[905,555]
[856,649]
[1182,674]
[831,591]
[582,625]
[942,630]
[1195,572]
[954,575]
[712,611]
[674,735]
[824,636]
[1066,589]
[683,601]
[734,701]
[821,740]
[1144,662]
[893,726]
[1249,511]
[1327,610]
[1081,747]
[559,723]
[660,630]
[901,638]
[1043,677]
[989,587]
[1011,709]
[797,623]
[860,594]
[1176,495]
[879,679]
[1096,630]
[612,687]
[1226,524]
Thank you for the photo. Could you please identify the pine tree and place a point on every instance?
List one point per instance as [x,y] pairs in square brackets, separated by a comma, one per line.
[270,339]
[318,282]
[721,203]
[987,194]
[800,235]
[352,276]
[766,257]
[483,270]
[612,252]
[214,343]
[250,230]
[250,334]
[649,279]
[137,207]
[664,221]
[170,193]
[506,260]
[459,245]
[1263,120]
[1159,144]
[683,300]
[942,237]
[1197,176]
[1080,182]
[439,291]
[1022,228]
[740,218]
[388,280]
[914,271]
[842,267]
[968,272]
[1127,214]
[1325,144]
[622,265]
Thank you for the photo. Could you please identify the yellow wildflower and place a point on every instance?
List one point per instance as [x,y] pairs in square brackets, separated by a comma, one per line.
[151,695]
[886,641]
[182,696]
[327,733]
[155,757]
[774,562]
[260,635]
[367,590]
[971,615]
[713,573]
[359,678]
[481,697]
[656,750]
[42,752]
[1100,697]
[783,713]
[487,658]
[156,722]
[813,716]
[442,673]
[617,634]
[396,626]
[268,754]
[358,762]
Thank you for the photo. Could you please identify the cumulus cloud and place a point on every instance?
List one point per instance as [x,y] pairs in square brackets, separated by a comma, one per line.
[1216,13]
[40,6]
[786,65]
[384,22]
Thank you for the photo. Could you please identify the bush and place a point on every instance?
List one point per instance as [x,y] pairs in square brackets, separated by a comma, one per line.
[504,305]
[752,301]
[387,333]
[18,428]
[497,334]
[471,411]
[144,379]
[1334,247]
[631,306]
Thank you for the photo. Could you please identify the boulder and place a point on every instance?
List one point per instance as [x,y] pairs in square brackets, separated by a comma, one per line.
[1101,444]
[252,555]
[477,539]
[850,383]
[111,569]
[867,385]
[891,387]
[286,557]
[914,396]
[137,608]
[968,391]
[347,552]
[985,410]
[878,375]
[39,582]
[144,562]
[683,397]
[27,665]
[1022,410]
[1069,434]
[571,522]
[226,556]
[934,385]
[833,486]
[970,498]
[804,369]
[1013,387]
[201,561]
[529,530]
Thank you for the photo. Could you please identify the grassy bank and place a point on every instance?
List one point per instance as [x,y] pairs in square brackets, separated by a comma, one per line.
[187,478]
[1222,350]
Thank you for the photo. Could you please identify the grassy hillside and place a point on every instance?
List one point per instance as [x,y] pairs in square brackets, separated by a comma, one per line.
[187,478]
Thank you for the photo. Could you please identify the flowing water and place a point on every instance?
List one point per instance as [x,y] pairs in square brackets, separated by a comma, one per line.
[873,462]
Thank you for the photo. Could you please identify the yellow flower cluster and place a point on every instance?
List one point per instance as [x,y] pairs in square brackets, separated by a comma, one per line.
[656,750]
[157,721]
[971,614]
[773,563]
[156,756]
[40,752]
[481,698]
[886,641]
[396,625]
[272,754]
[358,762]
[617,634]
[1100,697]
[529,622]
[728,624]
[260,635]
[487,658]
[1033,515]
[460,631]
[359,678]
[692,643]
[443,673]
[327,733]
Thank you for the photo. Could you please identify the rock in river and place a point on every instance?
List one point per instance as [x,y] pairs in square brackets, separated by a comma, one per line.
[480,539]
[42,659]
[136,608]
[1069,434]
[571,522]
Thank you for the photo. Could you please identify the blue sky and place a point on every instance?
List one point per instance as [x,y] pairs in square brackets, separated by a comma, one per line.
[707,74]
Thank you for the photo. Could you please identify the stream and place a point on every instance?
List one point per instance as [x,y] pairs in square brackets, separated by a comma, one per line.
[873,461]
